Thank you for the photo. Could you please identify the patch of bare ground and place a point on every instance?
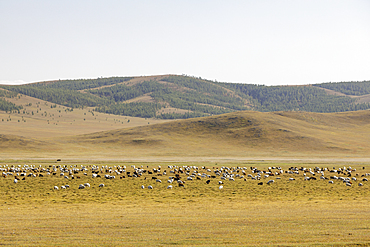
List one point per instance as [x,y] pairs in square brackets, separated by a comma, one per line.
[146,98]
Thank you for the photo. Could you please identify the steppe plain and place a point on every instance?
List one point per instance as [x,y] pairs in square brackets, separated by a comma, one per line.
[242,213]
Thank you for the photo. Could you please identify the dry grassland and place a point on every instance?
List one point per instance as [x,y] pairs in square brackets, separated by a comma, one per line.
[285,213]
[48,123]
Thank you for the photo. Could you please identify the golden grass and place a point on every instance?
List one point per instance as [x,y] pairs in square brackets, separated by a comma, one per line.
[286,213]
[58,122]
[238,136]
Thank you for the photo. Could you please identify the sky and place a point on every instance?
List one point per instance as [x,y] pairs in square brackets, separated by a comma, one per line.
[270,42]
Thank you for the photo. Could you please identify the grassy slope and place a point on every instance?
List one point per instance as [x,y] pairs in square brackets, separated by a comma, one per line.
[245,134]
[55,124]
[239,134]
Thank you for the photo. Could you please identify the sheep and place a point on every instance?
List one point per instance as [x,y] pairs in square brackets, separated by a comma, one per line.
[15,181]
[220,182]
[221,187]
[142,186]
[270,182]
[87,185]
[169,187]
[150,187]
[260,183]
[101,185]
[63,187]
[360,184]
[56,188]
[331,182]
[81,186]
[158,181]
[67,186]
[208,181]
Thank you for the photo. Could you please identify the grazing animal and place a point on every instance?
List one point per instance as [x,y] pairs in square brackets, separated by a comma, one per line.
[221,187]
[101,185]
[56,188]
[142,186]
[150,187]
[270,182]
[169,187]
[260,183]
[208,181]
[81,186]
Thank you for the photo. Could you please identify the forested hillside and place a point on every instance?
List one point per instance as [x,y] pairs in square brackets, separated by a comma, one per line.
[349,88]
[175,97]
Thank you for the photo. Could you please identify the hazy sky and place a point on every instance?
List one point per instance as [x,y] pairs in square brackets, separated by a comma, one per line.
[263,42]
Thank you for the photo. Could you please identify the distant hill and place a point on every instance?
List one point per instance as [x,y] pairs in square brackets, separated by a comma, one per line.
[181,97]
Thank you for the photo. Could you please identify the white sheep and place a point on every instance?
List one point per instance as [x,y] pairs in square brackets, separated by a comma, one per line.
[221,187]
[101,185]
[87,185]
[81,186]
[142,186]
[169,187]
[150,187]
[56,188]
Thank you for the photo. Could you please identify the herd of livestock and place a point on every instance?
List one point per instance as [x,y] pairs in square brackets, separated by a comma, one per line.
[181,175]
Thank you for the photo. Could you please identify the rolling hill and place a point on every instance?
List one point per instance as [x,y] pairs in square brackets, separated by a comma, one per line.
[134,117]
[181,97]
[245,134]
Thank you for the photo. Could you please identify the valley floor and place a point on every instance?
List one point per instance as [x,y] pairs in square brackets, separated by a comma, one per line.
[243,213]
[188,223]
